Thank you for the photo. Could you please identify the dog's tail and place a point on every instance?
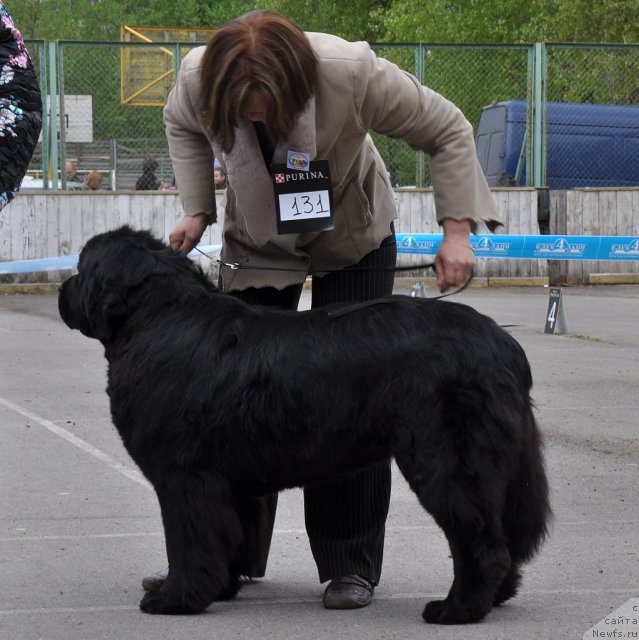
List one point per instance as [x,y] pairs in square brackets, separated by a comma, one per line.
[527,510]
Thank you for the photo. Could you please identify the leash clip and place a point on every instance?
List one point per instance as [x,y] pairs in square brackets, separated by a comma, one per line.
[234,266]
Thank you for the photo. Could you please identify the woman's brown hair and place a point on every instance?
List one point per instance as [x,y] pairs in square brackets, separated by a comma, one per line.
[262,54]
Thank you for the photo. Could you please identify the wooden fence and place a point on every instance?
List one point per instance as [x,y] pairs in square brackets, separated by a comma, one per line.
[40,225]
[594,212]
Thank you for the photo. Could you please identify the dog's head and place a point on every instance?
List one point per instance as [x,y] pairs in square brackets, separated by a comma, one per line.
[116,267]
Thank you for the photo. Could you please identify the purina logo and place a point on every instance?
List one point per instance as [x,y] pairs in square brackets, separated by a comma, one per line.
[410,242]
[561,246]
[630,249]
[488,245]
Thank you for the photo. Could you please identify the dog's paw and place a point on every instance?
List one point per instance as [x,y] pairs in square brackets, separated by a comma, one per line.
[156,602]
[508,588]
[231,590]
[447,612]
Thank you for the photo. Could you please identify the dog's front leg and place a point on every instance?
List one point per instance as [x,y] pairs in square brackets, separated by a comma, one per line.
[202,532]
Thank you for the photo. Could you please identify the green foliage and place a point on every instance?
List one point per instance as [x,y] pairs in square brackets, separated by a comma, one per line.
[512,21]
[455,21]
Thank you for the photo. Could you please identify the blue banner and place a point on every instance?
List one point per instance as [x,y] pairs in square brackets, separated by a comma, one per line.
[530,247]
[484,246]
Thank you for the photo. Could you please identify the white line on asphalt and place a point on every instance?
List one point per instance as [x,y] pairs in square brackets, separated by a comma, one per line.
[61,432]
[141,534]
[89,536]
[263,602]
[389,529]
[584,407]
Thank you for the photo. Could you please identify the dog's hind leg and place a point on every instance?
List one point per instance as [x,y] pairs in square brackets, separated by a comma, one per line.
[470,515]
[202,532]
[480,561]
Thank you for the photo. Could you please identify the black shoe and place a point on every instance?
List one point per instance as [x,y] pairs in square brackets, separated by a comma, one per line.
[155,582]
[348,592]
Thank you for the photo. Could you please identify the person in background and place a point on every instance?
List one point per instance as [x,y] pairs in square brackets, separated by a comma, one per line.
[20,108]
[93,180]
[148,181]
[265,99]
[71,174]
[219,177]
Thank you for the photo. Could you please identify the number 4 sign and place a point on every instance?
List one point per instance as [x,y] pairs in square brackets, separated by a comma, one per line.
[556,315]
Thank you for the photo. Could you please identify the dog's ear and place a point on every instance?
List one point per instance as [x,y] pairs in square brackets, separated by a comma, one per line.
[138,272]
[103,311]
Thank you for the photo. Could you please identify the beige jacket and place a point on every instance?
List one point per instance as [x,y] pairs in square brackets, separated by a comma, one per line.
[355,92]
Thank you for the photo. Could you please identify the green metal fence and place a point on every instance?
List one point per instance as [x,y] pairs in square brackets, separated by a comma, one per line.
[104,100]
[471,76]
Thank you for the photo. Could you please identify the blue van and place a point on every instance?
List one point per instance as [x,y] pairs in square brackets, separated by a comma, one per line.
[588,145]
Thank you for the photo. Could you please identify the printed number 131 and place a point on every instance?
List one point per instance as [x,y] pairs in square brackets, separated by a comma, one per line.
[308,205]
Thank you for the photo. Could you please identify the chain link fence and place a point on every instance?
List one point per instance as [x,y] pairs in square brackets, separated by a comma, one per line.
[470,76]
[105,113]
[110,99]
[592,117]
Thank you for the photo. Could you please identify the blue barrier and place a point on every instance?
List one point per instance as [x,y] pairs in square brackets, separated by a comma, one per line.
[38,265]
[71,261]
[485,246]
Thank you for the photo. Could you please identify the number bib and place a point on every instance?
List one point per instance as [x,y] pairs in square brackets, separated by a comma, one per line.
[303,199]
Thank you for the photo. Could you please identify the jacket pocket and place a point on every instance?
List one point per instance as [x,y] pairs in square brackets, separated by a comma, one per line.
[354,207]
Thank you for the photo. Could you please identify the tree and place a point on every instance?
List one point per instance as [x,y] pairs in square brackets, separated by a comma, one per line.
[512,21]
[454,21]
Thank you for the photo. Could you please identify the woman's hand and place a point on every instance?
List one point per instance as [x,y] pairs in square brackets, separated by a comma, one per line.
[455,259]
[188,232]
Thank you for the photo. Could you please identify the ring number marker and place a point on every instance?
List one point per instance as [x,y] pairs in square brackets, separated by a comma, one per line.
[556,315]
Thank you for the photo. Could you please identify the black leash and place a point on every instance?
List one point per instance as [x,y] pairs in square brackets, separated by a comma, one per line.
[235,266]
[357,305]
[371,303]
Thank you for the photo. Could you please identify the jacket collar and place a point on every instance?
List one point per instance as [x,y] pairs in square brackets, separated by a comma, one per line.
[250,179]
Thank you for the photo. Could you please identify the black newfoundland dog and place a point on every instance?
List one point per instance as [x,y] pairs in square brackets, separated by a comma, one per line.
[217,400]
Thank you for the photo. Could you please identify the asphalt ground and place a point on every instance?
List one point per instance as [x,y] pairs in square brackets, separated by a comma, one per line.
[79,526]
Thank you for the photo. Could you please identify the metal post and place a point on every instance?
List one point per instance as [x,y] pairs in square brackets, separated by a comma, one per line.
[420,73]
[62,148]
[53,117]
[114,164]
[42,78]
[177,61]
[538,117]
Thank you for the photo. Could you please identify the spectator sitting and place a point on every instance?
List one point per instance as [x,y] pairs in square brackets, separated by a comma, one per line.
[93,180]
[71,173]
[148,181]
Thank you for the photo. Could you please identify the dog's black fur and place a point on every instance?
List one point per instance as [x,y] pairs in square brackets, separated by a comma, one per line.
[215,399]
